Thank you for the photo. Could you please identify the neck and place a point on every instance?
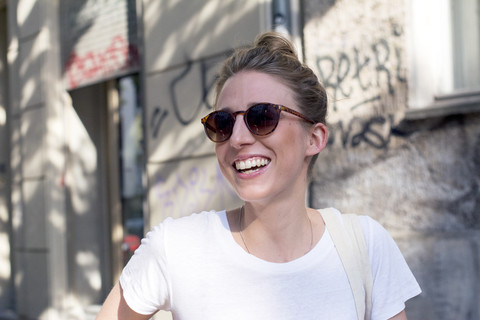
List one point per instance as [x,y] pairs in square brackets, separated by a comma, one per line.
[278,233]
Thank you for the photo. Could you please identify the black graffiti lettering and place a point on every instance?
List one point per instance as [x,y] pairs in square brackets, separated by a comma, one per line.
[326,78]
[344,134]
[206,85]
[186,114]
[369,100]
[208,82]
[375,132]
[157,118]
[359,66]
[370,136]
[382,55]
[173,96]
[398,54]
[343,71]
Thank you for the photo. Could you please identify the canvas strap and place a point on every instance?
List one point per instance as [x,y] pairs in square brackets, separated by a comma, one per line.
[350,244]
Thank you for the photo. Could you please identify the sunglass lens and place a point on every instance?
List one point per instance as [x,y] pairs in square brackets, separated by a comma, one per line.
[262,119]
[219,126]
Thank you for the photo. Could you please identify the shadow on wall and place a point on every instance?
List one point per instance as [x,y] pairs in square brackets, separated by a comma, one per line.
[34,171]
[29,239]
[182,70]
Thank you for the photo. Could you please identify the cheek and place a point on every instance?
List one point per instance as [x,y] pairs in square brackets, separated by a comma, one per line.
[221,151]
[294,136]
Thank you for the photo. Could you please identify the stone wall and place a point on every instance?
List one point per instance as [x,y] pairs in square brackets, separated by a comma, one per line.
[421,178]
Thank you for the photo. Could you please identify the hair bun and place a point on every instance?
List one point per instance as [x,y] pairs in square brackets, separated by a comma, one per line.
[275,42]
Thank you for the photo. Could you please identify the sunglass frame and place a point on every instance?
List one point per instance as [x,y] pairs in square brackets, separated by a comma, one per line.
[279,108]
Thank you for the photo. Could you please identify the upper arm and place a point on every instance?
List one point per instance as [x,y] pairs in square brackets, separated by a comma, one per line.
[115,307]
[394,282]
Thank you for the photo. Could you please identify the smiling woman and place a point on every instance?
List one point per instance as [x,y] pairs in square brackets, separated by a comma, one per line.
[272,258]
[286,140]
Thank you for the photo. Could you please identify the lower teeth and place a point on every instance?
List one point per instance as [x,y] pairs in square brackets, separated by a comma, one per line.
[250,170]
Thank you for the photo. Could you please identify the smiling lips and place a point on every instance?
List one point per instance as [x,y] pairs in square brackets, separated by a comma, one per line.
[251,165]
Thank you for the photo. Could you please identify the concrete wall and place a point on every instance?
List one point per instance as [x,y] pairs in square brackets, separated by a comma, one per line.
[36,138]
[183,43]
[5,266]
[421,178]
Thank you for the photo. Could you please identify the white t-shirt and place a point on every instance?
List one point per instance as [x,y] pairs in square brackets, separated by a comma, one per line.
[193,267]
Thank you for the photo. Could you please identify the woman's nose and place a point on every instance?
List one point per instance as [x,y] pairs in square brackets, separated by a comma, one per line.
[240,133]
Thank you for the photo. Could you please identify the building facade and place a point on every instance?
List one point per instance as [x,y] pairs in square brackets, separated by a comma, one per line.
[100,137]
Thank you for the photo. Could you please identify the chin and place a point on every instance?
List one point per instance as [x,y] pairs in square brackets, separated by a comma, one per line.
[252,194]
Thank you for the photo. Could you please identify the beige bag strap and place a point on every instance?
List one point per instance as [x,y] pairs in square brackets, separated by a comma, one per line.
[352,250]
[352,225]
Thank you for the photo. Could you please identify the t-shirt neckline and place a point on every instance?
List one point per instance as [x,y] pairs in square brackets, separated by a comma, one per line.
[317,252]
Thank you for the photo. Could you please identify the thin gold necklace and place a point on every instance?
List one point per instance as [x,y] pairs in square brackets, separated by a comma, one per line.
[240,218]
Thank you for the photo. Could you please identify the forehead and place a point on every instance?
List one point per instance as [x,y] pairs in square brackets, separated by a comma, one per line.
[249,87]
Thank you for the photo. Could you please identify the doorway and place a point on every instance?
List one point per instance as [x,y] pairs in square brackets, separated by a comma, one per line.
[104,184]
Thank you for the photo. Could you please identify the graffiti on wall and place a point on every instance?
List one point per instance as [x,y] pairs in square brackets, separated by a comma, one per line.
[200,188]
[363,82]
[118,56]
[374,132]
[206,68]
[345,72]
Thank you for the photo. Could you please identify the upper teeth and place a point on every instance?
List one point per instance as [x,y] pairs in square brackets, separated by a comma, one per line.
[250,163]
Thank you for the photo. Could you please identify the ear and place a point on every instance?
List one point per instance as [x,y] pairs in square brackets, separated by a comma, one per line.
[318,139]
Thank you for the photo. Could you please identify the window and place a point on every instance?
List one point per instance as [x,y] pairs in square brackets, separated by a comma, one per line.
[444,56]
[466,47]
[132,164]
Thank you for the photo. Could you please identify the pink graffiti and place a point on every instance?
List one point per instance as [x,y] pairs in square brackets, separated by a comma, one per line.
[118,56]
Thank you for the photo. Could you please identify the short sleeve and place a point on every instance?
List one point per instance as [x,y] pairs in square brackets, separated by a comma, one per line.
[393,281]
[144,279]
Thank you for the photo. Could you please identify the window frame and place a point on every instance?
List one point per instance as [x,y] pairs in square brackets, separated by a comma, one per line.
[431,58]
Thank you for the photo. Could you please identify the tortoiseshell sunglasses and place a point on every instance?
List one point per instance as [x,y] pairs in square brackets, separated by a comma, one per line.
[261,119]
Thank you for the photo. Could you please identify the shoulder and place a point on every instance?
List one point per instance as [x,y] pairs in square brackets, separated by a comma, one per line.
[188,228]
[194,221]
[381,246]
[370,226]
[177,232]
[374,233]
[172,229]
